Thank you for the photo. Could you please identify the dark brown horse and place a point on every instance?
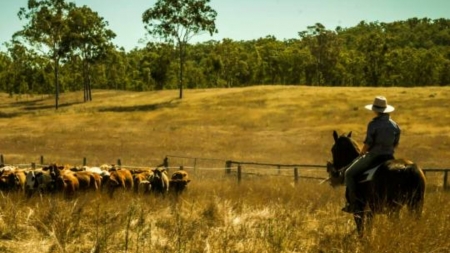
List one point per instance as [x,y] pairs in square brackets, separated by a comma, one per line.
[385,188]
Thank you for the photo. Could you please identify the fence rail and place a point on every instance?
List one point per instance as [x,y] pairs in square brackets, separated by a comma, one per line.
[239,167]
[445,171]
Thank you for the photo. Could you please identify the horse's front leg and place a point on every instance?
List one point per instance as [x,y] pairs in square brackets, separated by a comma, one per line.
[359,220]
[360,217]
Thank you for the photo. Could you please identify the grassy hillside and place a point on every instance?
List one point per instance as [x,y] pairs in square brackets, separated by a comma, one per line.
[265,124]
[273,124]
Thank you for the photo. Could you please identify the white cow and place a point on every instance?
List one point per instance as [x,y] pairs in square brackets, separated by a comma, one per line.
[97,170]
[4,168]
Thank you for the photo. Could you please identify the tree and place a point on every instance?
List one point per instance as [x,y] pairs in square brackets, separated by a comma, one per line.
[159,57]
[178,21]
[89,39]
[269,51]
[46,30]
[230,52]
[324,46]
[5,65]
[211,62]
[374,48]
[20,71]
[113,71]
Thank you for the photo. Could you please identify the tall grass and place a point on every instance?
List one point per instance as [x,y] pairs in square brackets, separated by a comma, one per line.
[215,216]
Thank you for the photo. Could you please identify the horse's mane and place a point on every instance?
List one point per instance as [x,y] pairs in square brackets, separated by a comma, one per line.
[344,150]
[352,142]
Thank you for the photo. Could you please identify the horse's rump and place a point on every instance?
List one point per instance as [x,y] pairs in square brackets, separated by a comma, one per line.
[396,183]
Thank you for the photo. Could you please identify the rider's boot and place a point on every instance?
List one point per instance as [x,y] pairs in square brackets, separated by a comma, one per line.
[350,206]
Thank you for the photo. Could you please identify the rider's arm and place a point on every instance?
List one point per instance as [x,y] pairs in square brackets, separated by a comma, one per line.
[369,140]
[364,149]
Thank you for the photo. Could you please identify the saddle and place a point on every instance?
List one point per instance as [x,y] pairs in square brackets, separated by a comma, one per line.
[367,175]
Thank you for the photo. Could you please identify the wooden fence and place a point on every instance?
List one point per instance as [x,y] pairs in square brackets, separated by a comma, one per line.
[42,162]
[242,167]
[296,171]
[296,168]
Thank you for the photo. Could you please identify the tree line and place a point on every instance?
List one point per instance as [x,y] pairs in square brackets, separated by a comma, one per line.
[68,48]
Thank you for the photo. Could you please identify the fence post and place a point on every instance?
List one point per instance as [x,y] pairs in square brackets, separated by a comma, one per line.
[195,164]
[228,167]
[295,175]
[166,162]
[181,167]
[33,166]
[84,161]
[119,163]
[2,160]
[42,159]
[239,173]
[445,179]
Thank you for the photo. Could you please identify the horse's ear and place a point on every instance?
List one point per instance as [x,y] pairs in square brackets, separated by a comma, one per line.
[349,135]
[335,135]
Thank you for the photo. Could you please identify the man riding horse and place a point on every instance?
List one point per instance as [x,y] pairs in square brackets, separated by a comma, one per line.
[382,137]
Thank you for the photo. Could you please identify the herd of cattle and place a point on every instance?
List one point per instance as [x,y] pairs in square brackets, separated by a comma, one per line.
[70,180]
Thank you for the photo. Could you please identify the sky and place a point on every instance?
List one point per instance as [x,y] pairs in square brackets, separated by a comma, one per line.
[244,19]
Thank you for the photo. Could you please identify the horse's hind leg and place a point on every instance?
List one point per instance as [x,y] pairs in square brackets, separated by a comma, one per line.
[369,220]
[415,208]
[359,221]
[416,193]
[415,203]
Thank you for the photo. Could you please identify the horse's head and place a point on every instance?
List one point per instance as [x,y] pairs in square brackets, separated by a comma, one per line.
[335,177]
[344,150]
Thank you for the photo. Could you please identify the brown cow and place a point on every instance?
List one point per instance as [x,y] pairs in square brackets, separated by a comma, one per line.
[12,180]
[119,178]
[142,181]
[5,183]
[179,181]
[88,180]
[101,171]
[67,183]
[20,177]
[55,170]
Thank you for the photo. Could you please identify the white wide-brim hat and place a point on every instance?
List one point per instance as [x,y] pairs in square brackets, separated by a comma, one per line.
[380,105]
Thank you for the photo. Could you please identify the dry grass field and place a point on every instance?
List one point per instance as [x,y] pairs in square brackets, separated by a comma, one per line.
[264,213]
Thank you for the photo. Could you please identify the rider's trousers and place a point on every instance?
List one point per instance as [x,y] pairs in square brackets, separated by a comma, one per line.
[357,167]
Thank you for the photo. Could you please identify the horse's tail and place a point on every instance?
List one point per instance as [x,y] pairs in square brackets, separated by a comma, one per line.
[416,183]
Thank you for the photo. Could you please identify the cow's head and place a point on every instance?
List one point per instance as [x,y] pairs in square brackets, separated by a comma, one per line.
[158,174]
[31,182]
[54,170]
[159,179]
